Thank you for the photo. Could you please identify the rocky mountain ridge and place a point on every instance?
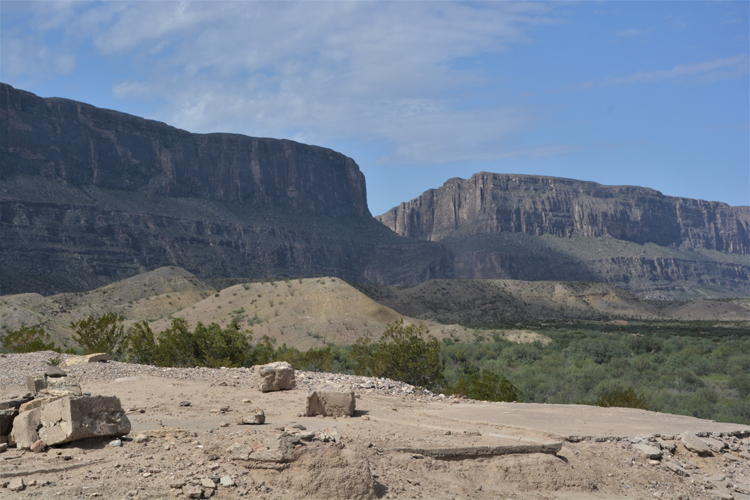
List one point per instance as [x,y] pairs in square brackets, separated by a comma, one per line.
[537,205]
[89,196]
[505,226]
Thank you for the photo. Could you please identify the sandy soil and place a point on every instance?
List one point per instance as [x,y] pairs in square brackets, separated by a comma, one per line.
[384,451]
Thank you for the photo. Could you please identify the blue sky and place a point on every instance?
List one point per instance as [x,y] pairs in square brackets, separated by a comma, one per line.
[641,93]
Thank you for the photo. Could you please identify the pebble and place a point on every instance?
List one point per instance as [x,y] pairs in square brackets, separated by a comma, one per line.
[116,442]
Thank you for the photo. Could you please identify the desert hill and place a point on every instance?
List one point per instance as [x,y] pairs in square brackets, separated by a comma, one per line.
[547,228]
[313,312]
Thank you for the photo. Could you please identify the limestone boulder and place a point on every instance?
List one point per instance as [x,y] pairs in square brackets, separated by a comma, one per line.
[257,417]
[276,376]
[69,419]
[650,452]
[330,403]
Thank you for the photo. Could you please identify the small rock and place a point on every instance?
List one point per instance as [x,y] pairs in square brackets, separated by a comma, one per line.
[258,417]
[246,400]
[116,443]
[729,457]
[207,483]
[185,403]
[38,446]
[3,447]
[651,452]
[223,424]
[53,371]
[141,438]
[677,469]
[226,481]
[16,484]
[211,458]
[179,483]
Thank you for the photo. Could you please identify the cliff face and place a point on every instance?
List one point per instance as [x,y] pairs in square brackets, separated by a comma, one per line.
[536,205]
[84,145]
[89,196]
[546,228]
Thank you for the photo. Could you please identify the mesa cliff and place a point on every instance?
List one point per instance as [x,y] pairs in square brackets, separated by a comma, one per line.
[89,196]
[547,228]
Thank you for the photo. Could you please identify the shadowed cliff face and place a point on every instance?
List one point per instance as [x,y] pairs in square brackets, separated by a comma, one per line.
[536,205]
[89,196]
[84,145]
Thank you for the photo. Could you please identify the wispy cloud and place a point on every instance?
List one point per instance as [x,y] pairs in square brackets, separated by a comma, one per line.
[707,71]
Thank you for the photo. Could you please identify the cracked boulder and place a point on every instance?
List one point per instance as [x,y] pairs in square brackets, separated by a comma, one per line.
[69,419]
[276,376]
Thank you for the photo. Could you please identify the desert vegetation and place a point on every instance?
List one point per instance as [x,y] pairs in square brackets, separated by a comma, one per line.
[689,368]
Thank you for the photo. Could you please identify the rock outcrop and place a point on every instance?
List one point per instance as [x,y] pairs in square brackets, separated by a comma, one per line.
[536,205]
[501,226]
[89,196]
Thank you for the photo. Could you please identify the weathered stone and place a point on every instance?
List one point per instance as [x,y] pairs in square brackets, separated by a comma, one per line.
[192,491]
[36,382]
[650,451]
[179,483]
[258,417]
[70,419]
[276,376]
[677,469]
[6,421]
[207,483]
[37,403]
[695,444]
[278,448]
[330,403]
[17,484]
[714,444]
[38,446]
[745,455]
[670,446]
[729,457]
[227,481]
[89,358]
[54,372]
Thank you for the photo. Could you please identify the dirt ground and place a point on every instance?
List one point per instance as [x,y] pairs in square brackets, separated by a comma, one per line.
[389,449]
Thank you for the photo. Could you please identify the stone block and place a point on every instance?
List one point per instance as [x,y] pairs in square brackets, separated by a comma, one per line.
[330,403]
[41,383]
[6,421]
[70,419]
[276,376]
[36,382]
[100,357]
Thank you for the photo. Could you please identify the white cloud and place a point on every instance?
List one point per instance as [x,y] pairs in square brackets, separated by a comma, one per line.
[707,71]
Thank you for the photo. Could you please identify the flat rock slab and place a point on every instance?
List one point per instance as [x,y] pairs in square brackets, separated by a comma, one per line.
[695,444]
[580,420]
[483,451]
[650,452]
[100,357]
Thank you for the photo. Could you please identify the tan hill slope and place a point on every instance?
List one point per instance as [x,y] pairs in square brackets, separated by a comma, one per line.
[147,296]
[302,313]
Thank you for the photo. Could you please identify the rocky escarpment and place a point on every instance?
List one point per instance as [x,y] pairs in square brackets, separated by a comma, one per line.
[537,205]
[546,228]
[89,196]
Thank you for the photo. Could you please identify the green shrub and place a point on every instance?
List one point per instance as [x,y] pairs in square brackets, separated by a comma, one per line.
[313,360]
[626,398]
[487,386]
[406,353]
[28,340]
[103,334]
